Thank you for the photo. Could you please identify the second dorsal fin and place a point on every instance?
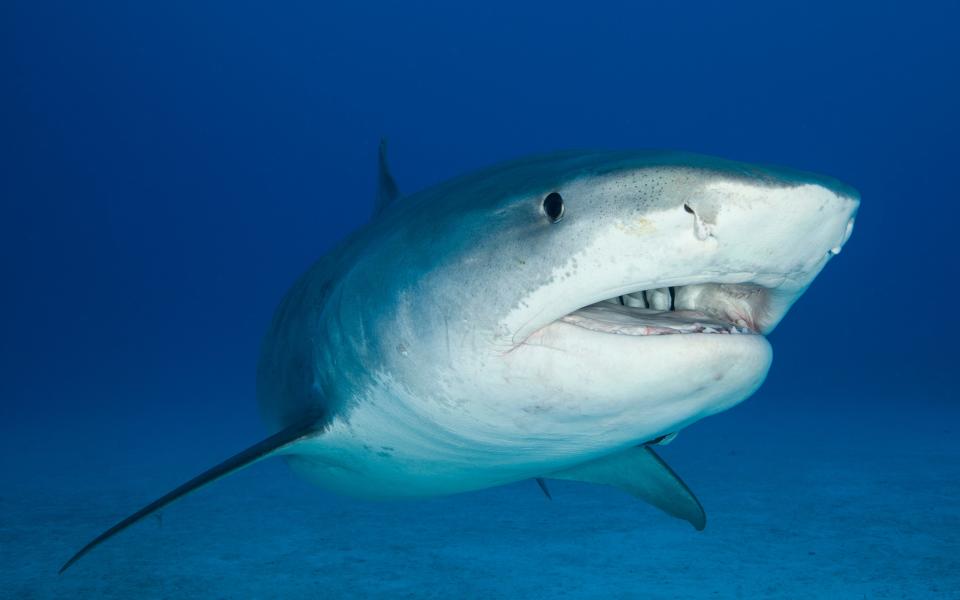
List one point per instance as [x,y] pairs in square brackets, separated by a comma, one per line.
[387,190]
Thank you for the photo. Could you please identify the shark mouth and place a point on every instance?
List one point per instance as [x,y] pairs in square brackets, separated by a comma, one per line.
[711,308]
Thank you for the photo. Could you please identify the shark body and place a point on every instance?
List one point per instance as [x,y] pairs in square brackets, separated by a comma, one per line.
[552,317]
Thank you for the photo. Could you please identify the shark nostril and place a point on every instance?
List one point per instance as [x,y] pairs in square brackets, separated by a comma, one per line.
[700,229]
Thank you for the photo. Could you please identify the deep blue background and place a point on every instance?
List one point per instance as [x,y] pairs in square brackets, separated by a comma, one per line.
[168,170]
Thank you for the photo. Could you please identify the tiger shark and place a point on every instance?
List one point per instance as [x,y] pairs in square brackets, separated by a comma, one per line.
[552,317]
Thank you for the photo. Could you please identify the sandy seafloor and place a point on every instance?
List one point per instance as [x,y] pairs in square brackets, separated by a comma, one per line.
[828,498]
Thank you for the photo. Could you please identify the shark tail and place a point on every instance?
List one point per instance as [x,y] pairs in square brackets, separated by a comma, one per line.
[245,458]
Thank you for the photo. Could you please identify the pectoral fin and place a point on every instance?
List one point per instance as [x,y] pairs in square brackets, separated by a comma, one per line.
[641,472]
[268,447]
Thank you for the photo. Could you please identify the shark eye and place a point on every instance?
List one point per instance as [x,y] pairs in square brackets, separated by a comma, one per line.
[553,206]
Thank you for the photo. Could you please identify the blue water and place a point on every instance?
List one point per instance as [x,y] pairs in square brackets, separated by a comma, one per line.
[167,171]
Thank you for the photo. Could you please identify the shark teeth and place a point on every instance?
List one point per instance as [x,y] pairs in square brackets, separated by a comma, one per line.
[634,300]
[660,299]
[710,308]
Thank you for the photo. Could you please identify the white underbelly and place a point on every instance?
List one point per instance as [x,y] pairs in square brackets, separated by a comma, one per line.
[520,418]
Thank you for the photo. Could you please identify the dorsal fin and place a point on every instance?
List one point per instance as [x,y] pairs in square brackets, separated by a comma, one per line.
[641,472]
[387,190]
[258,451]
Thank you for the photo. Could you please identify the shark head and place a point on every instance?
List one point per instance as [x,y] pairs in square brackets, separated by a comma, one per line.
[587,301]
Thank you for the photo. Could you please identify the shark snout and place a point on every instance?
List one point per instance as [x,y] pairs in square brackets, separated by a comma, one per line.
[851,205]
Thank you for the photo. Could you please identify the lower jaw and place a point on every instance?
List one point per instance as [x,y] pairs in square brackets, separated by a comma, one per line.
[607,317]
[656,380]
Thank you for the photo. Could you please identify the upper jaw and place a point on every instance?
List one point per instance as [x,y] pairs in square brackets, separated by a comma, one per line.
[734,302]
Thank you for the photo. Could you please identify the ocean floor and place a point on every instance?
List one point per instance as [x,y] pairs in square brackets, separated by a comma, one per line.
[803,500]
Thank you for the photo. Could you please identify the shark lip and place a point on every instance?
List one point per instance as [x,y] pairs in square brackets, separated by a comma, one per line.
[701,308]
